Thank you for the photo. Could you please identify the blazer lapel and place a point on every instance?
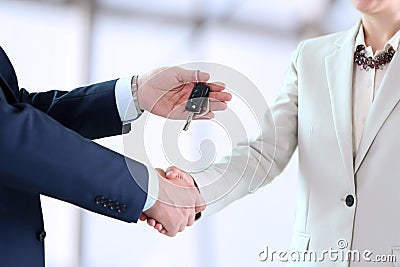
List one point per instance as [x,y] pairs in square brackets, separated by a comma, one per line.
[387,97]
[6,91]
[2,96]
[8,78]
[339,71]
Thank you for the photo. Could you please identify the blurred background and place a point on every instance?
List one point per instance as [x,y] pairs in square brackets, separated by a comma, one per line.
[62,44]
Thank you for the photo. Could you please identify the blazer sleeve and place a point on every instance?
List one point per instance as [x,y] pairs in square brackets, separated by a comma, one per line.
[90,110]
[256,163]
[41,156]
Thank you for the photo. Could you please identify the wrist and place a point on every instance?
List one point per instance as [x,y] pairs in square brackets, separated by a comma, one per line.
[152,189]
[198,214]
[135,94]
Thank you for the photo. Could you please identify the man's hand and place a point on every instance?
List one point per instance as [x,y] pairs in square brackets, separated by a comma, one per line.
[178,202]
[164,92]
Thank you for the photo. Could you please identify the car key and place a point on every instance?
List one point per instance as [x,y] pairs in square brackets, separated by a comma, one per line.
[197,102]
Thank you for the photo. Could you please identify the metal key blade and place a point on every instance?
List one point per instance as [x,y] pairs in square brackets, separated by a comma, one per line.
[188,121]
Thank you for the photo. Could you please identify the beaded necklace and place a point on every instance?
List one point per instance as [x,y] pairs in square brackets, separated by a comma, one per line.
[376,62]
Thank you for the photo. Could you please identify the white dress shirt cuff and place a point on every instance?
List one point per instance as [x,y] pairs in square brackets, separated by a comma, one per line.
[152,190]
[124,100]
[127,113]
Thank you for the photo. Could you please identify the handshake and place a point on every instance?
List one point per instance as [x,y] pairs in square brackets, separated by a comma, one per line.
[178,202]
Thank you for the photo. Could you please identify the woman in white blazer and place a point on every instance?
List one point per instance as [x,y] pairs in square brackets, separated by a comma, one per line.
[339,107]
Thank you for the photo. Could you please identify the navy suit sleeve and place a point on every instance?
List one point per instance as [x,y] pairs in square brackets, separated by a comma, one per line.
[90,111]
[42,156]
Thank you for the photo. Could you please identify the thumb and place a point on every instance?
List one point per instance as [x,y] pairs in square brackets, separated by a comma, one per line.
[172,173]
[160,172]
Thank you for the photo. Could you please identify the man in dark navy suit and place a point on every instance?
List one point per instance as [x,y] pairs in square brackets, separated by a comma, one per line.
[46,148]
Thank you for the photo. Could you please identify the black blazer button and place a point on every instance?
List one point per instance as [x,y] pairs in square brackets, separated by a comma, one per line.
[41,236]
[100,200]
[349,200]
[120,208]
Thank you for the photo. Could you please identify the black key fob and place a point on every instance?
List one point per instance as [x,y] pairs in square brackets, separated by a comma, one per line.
[198,98]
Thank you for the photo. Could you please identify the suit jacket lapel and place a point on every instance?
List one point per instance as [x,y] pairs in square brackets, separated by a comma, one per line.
[387,97]
[339,71]
[7,92]
[2,96]
[8,78]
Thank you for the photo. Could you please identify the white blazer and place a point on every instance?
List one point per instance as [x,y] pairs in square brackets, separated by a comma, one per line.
[314,114]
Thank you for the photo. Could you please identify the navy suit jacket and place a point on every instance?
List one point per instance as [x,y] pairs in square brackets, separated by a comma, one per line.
[46,149]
